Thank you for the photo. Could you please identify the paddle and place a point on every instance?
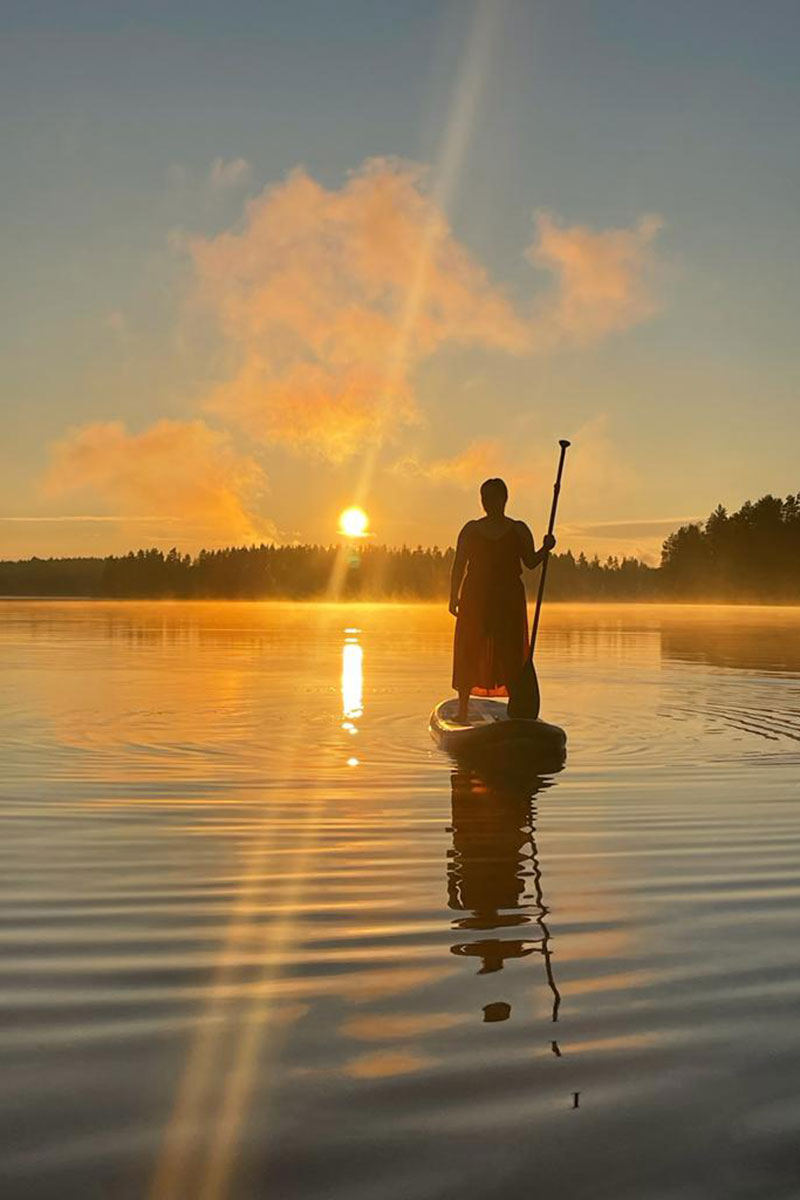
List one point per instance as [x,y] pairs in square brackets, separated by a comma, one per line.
[523,695]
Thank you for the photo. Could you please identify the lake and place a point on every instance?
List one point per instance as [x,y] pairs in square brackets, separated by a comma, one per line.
[260,939]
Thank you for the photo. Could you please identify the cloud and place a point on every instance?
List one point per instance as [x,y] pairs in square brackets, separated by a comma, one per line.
[84,518]
[180,470]
[327,301]
[477,460]
[604,281]
[596,471]
[330,298]
[229,174]
[312,407]
[594,466]
[224,175]
[653,527]
[631,539]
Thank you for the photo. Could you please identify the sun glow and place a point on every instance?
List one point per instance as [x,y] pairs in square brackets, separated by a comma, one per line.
[353,523]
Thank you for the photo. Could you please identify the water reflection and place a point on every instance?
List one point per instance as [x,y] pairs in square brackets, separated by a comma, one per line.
[494,878]
[213,924]
[742,639]
[352,681]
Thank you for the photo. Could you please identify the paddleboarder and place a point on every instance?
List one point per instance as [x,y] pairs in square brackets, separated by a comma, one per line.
[487,598]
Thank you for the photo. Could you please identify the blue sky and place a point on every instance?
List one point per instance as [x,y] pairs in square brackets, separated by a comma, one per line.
[115,114]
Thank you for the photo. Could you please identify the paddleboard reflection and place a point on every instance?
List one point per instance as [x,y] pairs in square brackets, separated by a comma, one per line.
[494,879]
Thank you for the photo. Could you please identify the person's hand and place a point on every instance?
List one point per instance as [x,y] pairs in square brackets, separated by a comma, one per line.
[549,542]
[452,607]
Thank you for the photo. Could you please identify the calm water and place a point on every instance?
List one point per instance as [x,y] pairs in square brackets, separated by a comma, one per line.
[260,940]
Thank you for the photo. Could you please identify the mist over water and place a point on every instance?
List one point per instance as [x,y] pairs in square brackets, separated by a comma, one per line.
[260,938]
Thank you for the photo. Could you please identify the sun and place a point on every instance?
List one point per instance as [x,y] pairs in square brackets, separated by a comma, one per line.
[353,523]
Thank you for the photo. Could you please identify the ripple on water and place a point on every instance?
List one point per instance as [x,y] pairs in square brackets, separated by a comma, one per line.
[420,966]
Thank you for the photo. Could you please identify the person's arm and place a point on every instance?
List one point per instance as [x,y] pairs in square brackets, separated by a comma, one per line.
[459,566]
[530,556]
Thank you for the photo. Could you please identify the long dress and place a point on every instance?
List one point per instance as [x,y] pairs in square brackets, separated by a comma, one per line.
[491,638]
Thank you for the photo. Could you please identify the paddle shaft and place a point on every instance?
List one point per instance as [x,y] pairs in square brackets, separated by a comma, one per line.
[543,577]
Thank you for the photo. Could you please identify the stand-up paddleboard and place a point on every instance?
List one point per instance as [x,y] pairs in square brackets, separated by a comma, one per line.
[492,735]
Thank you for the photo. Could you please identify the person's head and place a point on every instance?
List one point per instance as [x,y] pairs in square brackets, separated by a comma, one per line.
[494,495]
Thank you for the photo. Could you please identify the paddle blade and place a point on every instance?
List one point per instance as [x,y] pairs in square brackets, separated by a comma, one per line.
[523,695]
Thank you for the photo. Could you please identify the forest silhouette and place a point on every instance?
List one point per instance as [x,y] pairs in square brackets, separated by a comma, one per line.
[751,555]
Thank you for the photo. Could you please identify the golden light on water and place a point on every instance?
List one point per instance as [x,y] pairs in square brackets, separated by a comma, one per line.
[220,1072]
[352,683]
[354,522]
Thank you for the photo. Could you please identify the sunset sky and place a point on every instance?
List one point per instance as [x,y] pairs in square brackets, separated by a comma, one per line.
[266,260]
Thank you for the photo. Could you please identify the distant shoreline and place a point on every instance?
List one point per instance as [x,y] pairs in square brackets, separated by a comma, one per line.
[403,602]
[748,557]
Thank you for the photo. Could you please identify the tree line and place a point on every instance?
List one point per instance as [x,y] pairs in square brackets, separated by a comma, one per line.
[752,554]
[301,573]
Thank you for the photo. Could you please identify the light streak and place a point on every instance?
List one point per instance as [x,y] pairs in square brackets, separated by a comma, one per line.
[458,126]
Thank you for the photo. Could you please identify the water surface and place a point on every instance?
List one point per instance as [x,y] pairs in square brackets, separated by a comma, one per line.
[260,939]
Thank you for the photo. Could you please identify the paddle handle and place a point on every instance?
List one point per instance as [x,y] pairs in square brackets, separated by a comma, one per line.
[563,443]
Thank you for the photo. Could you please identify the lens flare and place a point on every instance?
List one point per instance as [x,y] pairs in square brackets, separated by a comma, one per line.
[353,523]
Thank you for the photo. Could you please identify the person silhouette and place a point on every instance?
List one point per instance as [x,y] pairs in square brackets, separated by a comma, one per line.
[487,598]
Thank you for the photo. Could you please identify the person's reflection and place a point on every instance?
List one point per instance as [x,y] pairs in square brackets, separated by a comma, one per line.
[493,877]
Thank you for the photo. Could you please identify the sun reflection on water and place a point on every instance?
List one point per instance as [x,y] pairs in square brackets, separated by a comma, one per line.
[352,681]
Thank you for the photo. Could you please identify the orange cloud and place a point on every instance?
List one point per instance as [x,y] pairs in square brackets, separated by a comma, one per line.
[603,280]
[596,473]
[174,470]
[312,408]
[477,460]
[330,299]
